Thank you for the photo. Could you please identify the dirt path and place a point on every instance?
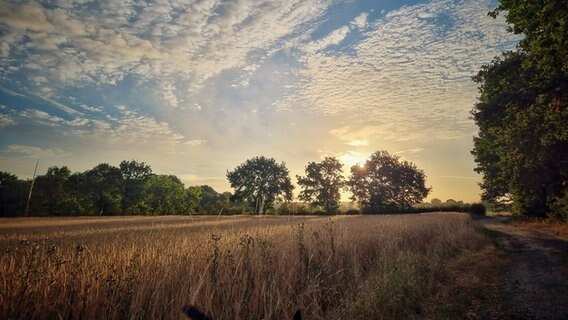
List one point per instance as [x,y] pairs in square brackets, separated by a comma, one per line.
[536,286]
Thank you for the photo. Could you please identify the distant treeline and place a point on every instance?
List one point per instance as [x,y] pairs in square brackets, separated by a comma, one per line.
[384,184]
[130,188]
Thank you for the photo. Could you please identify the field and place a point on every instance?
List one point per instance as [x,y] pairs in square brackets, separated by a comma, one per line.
[244,267]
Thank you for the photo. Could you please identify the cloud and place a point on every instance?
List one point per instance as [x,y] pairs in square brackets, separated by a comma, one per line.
[128,126]
[360,21]
[352,158]
[333,38]
[195,142]
[410,151]
[358,143]
[25,151]
[169,94]
[6,121]
[76,43]
[347,133]
[42,117]
[409,78]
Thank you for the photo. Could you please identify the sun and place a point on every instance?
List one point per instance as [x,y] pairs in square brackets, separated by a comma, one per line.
[352,158]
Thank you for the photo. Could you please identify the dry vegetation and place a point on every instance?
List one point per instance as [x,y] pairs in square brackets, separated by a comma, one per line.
[555,227]
[410,266]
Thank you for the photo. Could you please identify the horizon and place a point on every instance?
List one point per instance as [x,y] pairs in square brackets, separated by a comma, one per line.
[195,89]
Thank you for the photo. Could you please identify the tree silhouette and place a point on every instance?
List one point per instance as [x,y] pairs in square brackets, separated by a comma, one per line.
[386,184]
[261,181]
[322,184]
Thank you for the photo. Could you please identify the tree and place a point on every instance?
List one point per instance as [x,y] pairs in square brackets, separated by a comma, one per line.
[12,194]
[53,193]
[212,202]
[261,181]
[101,186]
[451,202]
[162,194]
[322,184]
[385,184]
[192,197]
[133,175]
[522,147]
[436,201]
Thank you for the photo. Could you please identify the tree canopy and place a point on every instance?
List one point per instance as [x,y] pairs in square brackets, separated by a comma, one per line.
[522,146]
[385,183]
[261,181]
[322,184]
[99,191]
[133,176]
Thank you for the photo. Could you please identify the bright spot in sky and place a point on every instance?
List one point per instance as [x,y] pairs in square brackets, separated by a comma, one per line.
[352,158]
[357,143]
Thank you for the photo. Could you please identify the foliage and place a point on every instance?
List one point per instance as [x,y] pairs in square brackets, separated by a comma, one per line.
[52,191]
[163,194]
[448,206]
[322,184]
[386,184]
[99,191]
[191,198]
[101,185]
[133,176]
[522,147]
[212,202]
[478,209]
[559,206]
[12,190]
[436,201]
[261,182]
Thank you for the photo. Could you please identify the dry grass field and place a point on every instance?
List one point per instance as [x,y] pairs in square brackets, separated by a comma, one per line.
[242,267]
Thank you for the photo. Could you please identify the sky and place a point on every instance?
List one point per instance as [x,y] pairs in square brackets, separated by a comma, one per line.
[194,88]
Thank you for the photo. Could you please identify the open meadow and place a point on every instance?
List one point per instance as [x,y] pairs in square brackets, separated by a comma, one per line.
[244,267]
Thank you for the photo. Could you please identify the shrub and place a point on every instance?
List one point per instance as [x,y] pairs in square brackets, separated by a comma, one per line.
[560,207]
[353,211]
[478,209]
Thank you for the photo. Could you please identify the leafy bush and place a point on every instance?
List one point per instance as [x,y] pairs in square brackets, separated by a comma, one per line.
[478,209]
[353,211]
[559,207]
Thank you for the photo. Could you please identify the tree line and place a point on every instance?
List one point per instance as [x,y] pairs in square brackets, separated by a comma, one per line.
[384,184]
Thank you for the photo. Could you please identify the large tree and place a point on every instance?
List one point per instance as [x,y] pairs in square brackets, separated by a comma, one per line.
[322,184]
[385,183]
[52,194]
[133,177]
[212,202]
[166,194]
[13,193]
[101,186]
[261,181]
[522,147]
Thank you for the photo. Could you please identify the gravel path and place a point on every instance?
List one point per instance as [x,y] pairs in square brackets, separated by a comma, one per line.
[536,286]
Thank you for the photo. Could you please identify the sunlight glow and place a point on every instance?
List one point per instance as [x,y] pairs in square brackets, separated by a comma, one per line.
[352,158]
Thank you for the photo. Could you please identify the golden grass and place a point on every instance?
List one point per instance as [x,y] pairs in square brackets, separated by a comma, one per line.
[377,267]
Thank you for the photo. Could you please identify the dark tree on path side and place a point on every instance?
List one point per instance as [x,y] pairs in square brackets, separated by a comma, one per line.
[522,114]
